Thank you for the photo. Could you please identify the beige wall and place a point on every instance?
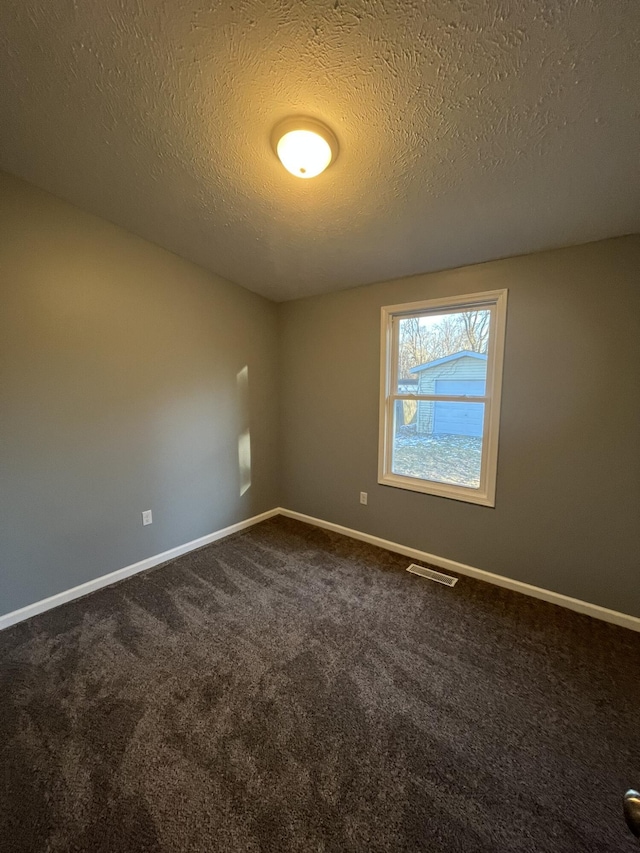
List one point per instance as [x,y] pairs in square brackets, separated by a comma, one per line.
[119,392]
[568,494]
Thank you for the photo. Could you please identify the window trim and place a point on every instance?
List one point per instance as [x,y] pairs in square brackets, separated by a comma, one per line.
[496,301]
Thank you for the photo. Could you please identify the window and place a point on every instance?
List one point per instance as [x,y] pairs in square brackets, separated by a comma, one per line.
[441,377]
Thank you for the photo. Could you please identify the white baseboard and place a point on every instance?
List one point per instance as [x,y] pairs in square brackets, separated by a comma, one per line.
[120,574]
[595,610]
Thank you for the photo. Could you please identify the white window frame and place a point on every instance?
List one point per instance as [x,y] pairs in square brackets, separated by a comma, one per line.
[496,302]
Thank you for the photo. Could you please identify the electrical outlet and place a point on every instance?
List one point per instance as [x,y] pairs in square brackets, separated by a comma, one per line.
[364,497]
[147,517]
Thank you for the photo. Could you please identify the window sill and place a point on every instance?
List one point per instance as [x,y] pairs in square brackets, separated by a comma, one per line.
[441,490]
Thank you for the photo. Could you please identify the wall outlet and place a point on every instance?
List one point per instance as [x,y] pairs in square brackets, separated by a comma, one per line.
[364,497]
[147,517]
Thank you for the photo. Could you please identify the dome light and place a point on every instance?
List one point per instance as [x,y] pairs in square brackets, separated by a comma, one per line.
[304,146]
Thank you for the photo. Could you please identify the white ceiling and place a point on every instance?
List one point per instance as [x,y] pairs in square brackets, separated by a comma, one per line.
[469,129]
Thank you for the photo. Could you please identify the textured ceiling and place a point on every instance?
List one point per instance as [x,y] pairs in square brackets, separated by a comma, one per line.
[469,129]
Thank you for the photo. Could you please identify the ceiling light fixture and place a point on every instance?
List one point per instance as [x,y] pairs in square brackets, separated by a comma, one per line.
[304,146]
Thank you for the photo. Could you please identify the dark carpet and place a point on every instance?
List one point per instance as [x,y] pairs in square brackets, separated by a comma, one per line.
[288,689]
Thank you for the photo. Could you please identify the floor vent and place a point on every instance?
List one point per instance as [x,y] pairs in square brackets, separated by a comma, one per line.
[438,577]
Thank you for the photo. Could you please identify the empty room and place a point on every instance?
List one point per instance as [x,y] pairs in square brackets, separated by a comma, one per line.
[319,426]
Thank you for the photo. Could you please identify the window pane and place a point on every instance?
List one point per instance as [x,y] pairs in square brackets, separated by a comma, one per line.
[442,443]
[447,347]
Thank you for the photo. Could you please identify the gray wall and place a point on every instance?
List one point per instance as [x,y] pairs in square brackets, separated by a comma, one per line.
[567,513]
[119,393]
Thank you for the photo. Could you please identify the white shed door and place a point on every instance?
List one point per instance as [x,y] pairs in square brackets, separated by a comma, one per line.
[459,418]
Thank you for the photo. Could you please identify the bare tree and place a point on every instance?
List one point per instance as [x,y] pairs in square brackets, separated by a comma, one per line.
[476,326]
[420,343]
[413,345]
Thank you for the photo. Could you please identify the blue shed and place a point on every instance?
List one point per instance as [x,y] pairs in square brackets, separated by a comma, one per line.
[463,373]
